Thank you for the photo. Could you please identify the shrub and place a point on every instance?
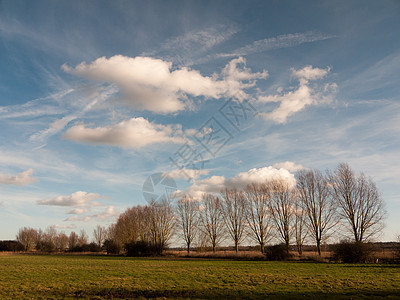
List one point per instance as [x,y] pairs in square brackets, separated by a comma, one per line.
[111,247]
[140,248]
[352,252]
[276,252]
[11,246]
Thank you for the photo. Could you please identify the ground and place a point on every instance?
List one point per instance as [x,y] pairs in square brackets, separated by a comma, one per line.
[97,277]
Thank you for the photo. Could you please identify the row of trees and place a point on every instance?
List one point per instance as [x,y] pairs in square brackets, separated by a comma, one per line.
[320,205]
[50,240]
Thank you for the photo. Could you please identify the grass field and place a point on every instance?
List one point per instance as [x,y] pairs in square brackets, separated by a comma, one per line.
[97,277]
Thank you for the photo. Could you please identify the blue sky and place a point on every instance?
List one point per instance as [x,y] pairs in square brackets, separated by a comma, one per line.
[96,96]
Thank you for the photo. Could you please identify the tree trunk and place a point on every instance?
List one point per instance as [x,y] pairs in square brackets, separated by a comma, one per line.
[319,247]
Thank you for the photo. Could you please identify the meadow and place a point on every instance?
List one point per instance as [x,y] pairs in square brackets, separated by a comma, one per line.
[98,277]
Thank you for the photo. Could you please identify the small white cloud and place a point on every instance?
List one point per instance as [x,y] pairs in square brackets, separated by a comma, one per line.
[186,173]
[58,226]
[134,133]
[77,218]
[109,212]
[23,178]
[293,101]
[76,199]
[288,165]
[77,211]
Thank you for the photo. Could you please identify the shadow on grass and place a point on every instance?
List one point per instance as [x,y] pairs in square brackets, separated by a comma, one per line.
[225,294]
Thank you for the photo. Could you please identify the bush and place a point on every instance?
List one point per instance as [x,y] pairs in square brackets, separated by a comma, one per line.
[46,246]
[352,252]
[111,247]
[276,252]
[11,246]
[140,248]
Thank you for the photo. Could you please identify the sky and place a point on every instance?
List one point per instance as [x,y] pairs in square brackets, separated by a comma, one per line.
[106,104]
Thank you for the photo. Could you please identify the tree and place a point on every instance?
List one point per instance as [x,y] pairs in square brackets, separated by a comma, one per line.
[61,241]
[211,219]
[320,209]
[161,224]
[360,205]
[72,240]
[257,214]
[27,237]
[233,210]
[187,211]
[99,235]
[300,232]
[83,238]
[282,208]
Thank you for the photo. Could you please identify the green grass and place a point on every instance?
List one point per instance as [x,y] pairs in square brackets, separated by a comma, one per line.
[96,277]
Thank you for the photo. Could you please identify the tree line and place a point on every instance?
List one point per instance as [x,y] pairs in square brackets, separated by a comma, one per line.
[320,205]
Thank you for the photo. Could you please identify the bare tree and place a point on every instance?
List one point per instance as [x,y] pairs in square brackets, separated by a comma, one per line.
[83,238]
[300,232]
[61,241]
[187,209]
[27,236]
[233,210]
[320,209]
[99,235]
[360,204]
[257,214]
[282,208]
[72,240]
[162,223]
[211,219]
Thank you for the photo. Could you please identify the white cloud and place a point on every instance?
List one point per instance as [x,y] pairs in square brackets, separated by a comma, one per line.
[77,211]
[58,226]
[296,100]
[109,212]
[288,165]
[147,83]
[186,173]
[23,178]
[134,133]
[79,198]
[281,41]
[216,184]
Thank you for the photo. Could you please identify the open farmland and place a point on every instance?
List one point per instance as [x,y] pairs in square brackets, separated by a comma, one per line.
[96,277]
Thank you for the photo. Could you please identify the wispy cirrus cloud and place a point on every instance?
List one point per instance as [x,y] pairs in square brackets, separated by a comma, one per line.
[281,41]
[22,178]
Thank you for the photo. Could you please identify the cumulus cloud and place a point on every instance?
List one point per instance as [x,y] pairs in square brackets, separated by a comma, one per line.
[305,94]
[79,198]
[147,83]
[216,184]
[134,133]
[288,165]
[23,178]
